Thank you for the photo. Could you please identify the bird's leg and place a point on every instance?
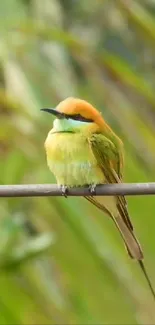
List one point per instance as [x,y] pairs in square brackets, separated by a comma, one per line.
[64,190]
[92,189]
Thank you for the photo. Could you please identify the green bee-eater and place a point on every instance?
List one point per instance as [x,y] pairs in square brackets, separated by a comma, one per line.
[83,150]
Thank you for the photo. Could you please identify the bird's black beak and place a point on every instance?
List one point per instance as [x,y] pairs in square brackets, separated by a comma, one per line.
[54,112]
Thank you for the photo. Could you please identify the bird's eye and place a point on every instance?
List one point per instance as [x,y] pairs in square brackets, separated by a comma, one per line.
[81,118]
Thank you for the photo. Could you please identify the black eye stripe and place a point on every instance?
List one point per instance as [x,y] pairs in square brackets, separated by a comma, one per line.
[61,115]
[79,117]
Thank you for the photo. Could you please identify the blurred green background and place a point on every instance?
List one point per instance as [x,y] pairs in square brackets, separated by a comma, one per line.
[62,261]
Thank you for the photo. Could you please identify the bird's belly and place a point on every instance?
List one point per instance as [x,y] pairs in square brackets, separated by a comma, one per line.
[71,160]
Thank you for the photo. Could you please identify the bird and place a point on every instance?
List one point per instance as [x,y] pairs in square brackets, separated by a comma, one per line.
[82,149]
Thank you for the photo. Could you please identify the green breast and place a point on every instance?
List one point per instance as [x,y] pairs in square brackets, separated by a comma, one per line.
[71,160]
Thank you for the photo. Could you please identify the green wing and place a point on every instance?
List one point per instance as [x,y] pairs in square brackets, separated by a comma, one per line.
[110,158]
[109,155]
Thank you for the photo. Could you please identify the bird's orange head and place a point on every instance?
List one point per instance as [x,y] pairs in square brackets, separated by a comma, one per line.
[77,109]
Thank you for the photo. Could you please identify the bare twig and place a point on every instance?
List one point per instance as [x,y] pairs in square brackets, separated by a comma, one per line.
[54,190]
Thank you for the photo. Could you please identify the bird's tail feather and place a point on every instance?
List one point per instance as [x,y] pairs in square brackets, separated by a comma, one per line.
[141,264]
[126,231]
[131,242]
[133,248]
[106,205]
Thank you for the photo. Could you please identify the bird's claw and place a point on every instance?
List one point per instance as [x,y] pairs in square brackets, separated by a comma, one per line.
[92,189]
[64,190]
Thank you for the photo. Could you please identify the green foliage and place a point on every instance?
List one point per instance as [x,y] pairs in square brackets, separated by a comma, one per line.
[62,261]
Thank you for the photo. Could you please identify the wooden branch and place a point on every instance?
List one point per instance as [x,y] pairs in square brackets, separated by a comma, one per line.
[54,190]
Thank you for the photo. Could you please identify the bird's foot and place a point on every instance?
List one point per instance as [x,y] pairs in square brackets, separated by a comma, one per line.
[92,189]
[64,190]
